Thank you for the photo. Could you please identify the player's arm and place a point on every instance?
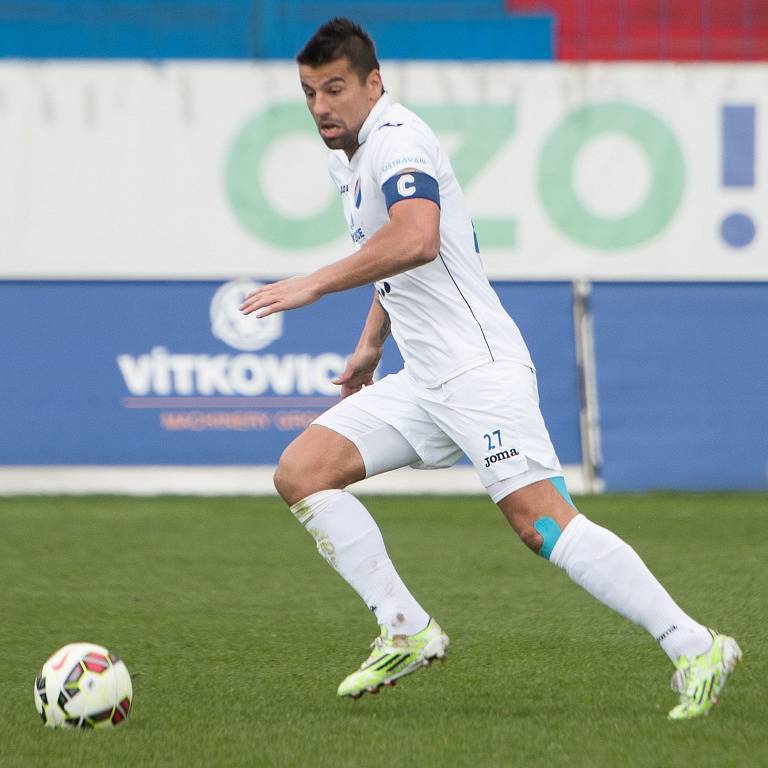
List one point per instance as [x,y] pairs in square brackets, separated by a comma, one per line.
[363,361]
[409,239]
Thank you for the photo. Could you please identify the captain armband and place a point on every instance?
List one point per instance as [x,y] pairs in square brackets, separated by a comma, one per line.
[410,185]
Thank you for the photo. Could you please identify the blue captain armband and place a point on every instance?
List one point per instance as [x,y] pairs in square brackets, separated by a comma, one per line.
[411,185]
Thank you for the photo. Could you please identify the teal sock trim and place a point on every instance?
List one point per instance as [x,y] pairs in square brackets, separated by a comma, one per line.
[559,483]
[550,531]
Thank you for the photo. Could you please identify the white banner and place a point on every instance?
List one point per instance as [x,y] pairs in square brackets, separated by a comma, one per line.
[214,170]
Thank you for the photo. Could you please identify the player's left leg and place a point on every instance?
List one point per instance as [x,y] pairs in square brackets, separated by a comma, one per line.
[600,562]
[493,413]
[544,517]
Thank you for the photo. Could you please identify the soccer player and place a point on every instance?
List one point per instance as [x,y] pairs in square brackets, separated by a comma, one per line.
[468,386]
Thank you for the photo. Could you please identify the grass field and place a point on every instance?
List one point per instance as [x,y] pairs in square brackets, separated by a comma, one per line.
[237,634]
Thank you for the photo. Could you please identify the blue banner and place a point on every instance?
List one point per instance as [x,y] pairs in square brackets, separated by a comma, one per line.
[544,314]
[682,378]
[134,373]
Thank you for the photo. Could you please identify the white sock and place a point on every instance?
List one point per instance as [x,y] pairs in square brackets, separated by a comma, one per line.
[349,539]
[610,570]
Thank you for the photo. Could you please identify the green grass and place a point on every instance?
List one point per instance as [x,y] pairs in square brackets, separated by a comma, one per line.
[237,634]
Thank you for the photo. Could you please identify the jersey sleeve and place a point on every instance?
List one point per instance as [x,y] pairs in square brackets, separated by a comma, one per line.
[406,165]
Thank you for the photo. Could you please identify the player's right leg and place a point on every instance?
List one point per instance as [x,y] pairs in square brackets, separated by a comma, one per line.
[311,477]
[347,444]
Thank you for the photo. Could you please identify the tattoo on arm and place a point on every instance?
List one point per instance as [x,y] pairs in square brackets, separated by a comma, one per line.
[385,327]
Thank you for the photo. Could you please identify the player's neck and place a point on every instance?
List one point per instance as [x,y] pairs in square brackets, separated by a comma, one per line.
[351,151]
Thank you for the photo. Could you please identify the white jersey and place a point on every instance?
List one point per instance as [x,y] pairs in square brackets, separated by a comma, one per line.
[446,318]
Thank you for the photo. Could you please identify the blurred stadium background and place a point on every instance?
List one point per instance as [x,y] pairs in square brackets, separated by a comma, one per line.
[157,159]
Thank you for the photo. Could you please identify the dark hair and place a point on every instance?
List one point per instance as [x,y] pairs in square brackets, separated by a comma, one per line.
[341,38]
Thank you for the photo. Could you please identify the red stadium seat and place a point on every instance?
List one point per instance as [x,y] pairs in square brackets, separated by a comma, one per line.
[691,30]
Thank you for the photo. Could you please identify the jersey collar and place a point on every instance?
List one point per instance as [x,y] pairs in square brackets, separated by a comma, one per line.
[373,117]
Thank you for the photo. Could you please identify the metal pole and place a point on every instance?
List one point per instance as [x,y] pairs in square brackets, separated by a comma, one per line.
[589,414]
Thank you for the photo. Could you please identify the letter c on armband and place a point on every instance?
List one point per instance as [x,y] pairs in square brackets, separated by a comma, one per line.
[405,185]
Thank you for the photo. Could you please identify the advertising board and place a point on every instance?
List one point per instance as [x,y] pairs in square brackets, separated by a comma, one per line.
[170,373]
[122,170]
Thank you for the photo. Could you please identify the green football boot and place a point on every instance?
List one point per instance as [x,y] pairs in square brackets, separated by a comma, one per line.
[394,657]
[700,679]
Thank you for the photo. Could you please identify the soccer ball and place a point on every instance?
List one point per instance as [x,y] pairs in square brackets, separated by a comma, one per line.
[83,685]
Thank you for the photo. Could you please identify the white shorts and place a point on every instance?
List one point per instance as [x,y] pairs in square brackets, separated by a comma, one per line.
[490,413]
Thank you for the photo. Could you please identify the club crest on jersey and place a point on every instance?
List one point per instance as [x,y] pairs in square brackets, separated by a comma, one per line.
[358,195]
[356,233]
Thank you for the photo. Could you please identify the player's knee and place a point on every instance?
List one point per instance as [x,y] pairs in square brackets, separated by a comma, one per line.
[530,537]
[300,474]
[541,536]
[291,478]
[279,482]
[314,462]
[538,532]
[539,513]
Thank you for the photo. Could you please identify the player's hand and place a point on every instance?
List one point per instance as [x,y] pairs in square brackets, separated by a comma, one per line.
[359,371]
[279,296]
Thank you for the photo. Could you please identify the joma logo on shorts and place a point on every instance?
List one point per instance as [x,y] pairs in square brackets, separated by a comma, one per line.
[500,456]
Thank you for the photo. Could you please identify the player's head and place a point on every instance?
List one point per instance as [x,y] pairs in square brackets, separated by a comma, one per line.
[340,76]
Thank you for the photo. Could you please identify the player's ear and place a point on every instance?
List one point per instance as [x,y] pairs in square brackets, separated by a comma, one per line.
[374,84]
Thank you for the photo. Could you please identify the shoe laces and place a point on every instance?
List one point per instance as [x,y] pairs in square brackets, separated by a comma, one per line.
[386,639]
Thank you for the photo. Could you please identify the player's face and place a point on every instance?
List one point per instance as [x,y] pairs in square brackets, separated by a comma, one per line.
[338,101]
